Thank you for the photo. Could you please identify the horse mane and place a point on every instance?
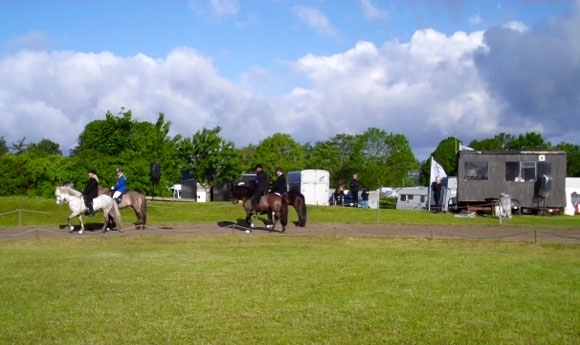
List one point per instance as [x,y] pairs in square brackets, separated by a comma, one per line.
[248,190]
[69,190]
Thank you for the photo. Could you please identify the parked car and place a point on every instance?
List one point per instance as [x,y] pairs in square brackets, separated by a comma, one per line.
[346,202]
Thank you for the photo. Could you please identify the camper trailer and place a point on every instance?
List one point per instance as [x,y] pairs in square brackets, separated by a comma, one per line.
[535,180]
[413,198]
[312,183]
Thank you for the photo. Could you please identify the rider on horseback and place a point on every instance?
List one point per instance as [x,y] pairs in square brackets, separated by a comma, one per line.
[279,186]
[260,186]
[120,187]
[91,191]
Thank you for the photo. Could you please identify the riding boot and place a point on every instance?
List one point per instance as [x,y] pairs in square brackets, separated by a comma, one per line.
[91,211]
[118,200]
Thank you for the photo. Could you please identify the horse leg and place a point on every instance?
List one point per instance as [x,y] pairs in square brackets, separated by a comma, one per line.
[105,221]
[82,224]
[249,221]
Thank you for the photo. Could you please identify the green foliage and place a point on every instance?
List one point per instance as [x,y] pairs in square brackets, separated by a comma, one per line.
[45,147]
[210,158]
[3,146]
[572,158]
[279,150]
[379,158]
[19,147]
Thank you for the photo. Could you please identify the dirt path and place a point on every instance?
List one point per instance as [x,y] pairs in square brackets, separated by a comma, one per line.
[504,233]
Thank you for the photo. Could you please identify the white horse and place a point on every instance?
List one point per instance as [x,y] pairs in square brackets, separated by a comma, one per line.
[76,203]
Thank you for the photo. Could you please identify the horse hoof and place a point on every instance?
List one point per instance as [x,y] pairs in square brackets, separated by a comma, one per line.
[252,225]
[248,231]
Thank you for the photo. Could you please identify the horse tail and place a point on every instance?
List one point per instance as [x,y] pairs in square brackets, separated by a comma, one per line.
[143,212]
[116,214]
[301,210]
[284,213]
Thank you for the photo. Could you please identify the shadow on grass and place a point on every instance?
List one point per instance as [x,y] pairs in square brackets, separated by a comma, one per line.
[241,225]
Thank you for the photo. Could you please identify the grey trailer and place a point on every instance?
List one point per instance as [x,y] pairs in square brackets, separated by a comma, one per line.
[535,180]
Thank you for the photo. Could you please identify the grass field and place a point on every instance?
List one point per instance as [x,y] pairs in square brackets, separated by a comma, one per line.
[211,289]
[287,290]
[15,211]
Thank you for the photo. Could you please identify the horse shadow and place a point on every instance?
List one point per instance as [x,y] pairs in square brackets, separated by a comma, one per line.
[241,225]
[89,226]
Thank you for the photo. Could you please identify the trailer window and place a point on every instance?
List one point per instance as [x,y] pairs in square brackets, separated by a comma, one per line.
[528,171]
[512,171]
[403,197]
[475,171]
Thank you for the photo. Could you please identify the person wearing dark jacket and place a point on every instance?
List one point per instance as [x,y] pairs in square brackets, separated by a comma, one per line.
[354,188]
[260,186]
[91,191]
[436,194]
[279,186]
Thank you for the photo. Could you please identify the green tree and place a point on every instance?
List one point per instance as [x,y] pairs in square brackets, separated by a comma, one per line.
[3,146]
[247,153]
[341,155]
[531,141]
[45,147]
[279,150]
[572,158]
[209,157]
[387,159]
[20,146]
[446,155]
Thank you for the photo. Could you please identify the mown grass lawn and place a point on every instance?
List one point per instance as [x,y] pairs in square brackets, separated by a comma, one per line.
[206,289]
[23,211]
[287,290]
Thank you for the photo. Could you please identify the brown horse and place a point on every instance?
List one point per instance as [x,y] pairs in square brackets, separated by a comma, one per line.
[136,201]
[296,199]
[272,204]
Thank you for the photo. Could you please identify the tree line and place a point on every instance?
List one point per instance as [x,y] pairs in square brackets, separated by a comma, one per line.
[380,158]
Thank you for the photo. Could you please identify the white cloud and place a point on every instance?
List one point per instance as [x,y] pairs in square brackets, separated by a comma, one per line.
[315,19]
[471,85]
[476,19]
[371,12]
[218,8]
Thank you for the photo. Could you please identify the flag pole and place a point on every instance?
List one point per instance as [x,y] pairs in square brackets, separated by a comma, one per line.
[429,187]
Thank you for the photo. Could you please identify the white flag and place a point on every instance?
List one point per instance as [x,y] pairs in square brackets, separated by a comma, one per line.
[436,171]
[464,148]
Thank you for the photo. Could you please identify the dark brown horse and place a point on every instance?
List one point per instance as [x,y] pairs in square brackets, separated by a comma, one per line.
[136,201]
[272,204]
[296,199]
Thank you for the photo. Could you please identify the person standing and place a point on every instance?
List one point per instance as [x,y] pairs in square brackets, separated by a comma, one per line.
[260,186]
[338,196]
[365,198]
[436,194]
[120,187]
[354,188]
[91,191]
[279,186]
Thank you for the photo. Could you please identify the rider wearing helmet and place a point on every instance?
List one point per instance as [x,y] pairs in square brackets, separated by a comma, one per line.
[279,186]
[260,186]
[121,186]
[91,191]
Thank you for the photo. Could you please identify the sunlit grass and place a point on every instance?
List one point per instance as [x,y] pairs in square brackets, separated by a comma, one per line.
[287,290]
[26,211]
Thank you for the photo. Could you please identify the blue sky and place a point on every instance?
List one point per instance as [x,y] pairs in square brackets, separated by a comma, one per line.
[312,69]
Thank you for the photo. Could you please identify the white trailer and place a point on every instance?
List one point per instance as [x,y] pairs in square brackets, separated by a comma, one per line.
[312,183]
[413,198]
[572,192]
